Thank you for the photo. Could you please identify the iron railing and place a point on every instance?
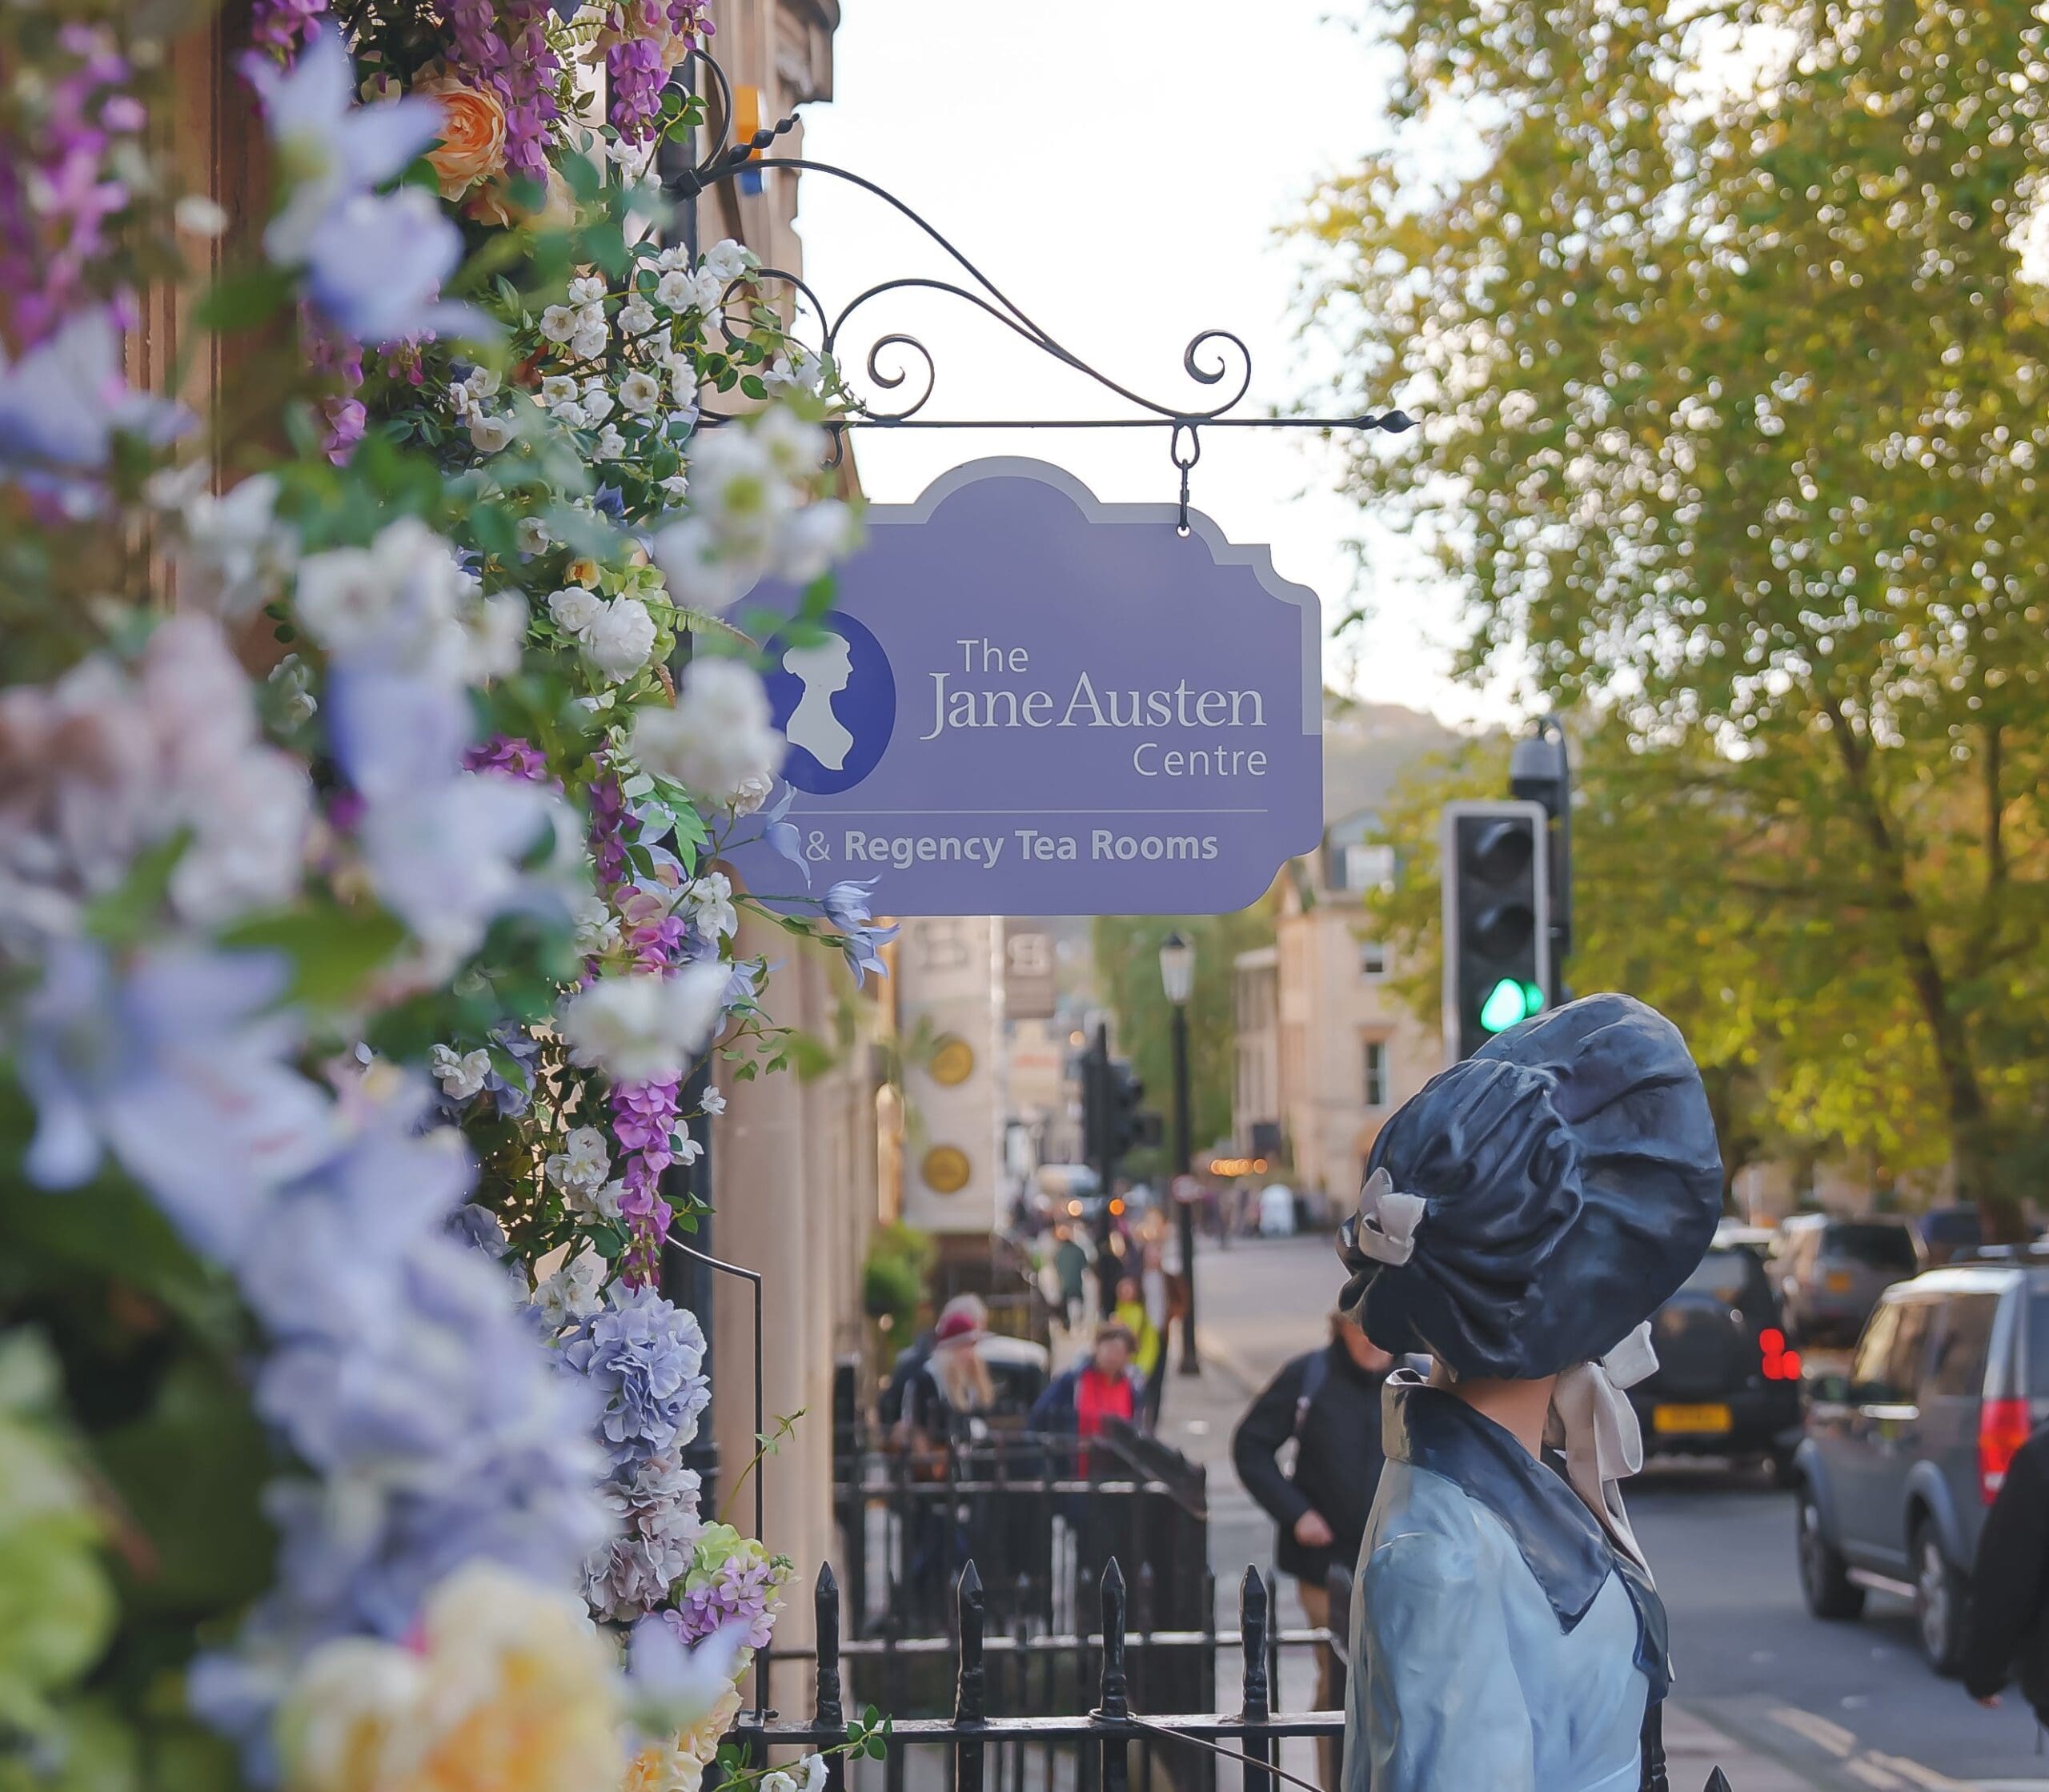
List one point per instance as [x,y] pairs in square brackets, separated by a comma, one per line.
[981,1747]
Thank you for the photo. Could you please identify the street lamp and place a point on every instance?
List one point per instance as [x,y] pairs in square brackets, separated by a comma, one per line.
[1177,979]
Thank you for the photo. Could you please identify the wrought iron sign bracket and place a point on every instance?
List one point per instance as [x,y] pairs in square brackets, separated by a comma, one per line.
[898,371]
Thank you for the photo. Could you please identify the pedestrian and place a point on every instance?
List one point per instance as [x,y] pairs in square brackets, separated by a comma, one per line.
[1523,1216]
[1109,1267]
[1071,1265]
[911,1360]
[1079,1402]
[1327,1401]
[1157,1291]
[2007,1622]
[953,1389]
[1147,1348]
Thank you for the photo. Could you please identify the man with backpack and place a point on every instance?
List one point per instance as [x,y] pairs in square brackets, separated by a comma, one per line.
[1328,1403]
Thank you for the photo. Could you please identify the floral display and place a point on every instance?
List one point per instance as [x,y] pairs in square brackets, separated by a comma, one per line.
[366,942]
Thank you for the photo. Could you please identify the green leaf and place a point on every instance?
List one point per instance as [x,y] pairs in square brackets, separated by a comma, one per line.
[242,300]
[128,912]
[333,950]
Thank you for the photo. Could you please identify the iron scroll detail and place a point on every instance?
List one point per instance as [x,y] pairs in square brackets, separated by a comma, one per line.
[900,372]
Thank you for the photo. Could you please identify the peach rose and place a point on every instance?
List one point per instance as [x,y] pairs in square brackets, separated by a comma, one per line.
[472,147]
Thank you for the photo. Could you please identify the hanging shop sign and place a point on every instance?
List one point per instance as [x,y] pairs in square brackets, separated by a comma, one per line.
[1028,702]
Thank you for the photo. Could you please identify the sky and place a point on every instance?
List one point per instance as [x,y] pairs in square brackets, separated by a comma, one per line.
[1120,170]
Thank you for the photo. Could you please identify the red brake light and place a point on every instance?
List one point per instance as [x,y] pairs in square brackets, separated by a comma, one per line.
[2002,1428]
[1779,1363]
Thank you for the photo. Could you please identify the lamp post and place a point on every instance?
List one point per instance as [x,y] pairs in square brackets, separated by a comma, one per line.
[1177,979]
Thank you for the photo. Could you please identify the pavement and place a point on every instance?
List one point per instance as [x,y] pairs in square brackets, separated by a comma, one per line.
[1780,1701]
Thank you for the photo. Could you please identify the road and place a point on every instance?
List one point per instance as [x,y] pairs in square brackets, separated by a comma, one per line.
[1848,1707]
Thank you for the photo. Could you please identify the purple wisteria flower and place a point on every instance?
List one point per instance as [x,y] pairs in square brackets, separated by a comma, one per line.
[510,757]
[282,26]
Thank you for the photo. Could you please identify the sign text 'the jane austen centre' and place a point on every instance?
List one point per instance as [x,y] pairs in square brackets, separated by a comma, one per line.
[1027,702]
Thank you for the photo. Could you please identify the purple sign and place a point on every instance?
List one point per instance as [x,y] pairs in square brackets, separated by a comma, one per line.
[1030,702]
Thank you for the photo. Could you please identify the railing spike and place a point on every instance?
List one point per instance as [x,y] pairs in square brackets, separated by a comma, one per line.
[1114,1699]
[830,1714]
[1252,1611]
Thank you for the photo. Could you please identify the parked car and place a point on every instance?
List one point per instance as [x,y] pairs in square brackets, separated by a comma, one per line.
[1904,1454]
[1831,1272]
[1727,1383]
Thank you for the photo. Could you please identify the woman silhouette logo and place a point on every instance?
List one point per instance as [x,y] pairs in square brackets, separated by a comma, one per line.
[835,699]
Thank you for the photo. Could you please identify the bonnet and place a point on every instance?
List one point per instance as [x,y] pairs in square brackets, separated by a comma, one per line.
[1529,1208]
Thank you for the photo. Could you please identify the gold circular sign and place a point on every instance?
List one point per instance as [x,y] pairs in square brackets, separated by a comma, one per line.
[952,1061]
[946,1169]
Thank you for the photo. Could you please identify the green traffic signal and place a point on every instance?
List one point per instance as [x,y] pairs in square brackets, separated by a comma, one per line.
[1503,1007]
[1508,1002]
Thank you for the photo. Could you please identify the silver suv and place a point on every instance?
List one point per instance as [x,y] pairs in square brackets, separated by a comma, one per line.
[1830,1272]
[1901,1457]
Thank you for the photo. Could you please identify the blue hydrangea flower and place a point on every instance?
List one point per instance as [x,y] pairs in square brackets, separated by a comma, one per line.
[645,1357]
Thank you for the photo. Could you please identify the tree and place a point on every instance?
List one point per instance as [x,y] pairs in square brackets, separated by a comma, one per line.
[1734,436]
[1128,958]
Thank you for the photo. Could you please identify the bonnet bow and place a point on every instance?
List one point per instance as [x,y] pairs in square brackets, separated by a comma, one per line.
[1603,1442]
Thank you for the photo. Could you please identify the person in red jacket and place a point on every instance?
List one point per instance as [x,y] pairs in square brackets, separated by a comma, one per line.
[1099,1388]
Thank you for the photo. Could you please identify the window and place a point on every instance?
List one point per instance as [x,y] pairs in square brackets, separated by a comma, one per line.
[1373,960]
[1732,1275]
[1872,1244]
[1867,1372]
[1964,1342]
[1376,1073]
[1368,867]
[1908,1355]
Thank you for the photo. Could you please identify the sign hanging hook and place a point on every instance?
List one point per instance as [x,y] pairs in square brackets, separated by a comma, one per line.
[1184,462]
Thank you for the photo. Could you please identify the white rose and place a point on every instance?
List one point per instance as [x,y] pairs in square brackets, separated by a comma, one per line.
[716,737]
[642,1030]
[707,293]
[636,317]
[461,1075]
[558,388]
[621,638]
[559,323]
[491,434]
[586,289]
[570,416]
[682,381]
[495,628]
[700,569]
[750,794]
[728,259]
[597,401]
[574,609]
[572,1293]
[812,540]
[587,344]
[531,534]
[611,445]
[675,290]
[640,393]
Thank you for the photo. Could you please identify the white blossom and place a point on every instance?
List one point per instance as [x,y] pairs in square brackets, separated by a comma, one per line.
[597,401]
[728,259]
[676,289]
[399,603]
[558,388]
[235,553]
[813,538]
[559,323]
[574,609]
[711,899]
[640,393]
[491,432]
[636,317]
[621,638]
[715,736]
[597,927]
[586,290]
[583,1165]
[573,1292]
[610,444]
[686,1149]
[638,1028]
[714,1101]
[496,630]
[752,793]
[532,536]
[461,1074]
[682,381]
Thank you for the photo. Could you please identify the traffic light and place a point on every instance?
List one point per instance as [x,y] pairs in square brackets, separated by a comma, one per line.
[1131,1126]
[1497,919]
[1113,1124]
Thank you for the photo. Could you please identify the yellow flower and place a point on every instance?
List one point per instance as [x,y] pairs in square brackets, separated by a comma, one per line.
[678,1766]
[510,1689]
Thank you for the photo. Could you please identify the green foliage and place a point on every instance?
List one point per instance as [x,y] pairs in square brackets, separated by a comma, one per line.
[900,1258]
[1127,950]
[1732,370]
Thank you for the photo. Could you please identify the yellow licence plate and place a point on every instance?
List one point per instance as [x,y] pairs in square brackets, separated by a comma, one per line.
[1667,1420]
